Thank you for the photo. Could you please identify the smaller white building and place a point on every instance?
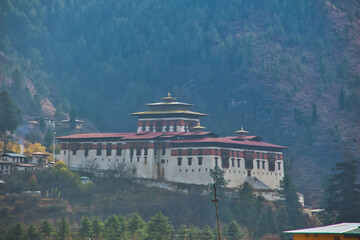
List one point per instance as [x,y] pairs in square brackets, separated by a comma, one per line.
[11,162]
[39,158]
[67,123]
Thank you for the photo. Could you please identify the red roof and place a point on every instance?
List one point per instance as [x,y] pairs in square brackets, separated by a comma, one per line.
[133,135]
[25,165]
[228,141]
[201,138]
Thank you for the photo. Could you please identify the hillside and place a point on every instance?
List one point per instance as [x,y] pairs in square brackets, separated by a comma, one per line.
[287,71]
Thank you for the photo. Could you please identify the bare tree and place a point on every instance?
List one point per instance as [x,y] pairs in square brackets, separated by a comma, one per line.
[118,170]
[91,166]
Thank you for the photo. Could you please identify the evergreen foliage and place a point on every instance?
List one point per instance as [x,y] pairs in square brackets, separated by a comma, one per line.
[134,49]
[16,232]
[294,216]
[342,194]
[159,228]
[46,229]
[63,230]
[97,227]
[72,119]
[32,232]
[85,231]
[233,231]
[9,114]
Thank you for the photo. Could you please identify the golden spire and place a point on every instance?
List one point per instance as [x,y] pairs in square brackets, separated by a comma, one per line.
[198,127]
[242,132]
[168,98]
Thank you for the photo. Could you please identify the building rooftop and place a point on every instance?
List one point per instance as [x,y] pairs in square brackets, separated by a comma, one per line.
[13,155]
[169,112]
[40,153]
[341,228]
[176,137]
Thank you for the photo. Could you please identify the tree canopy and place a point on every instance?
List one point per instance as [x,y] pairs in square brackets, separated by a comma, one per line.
[342,194]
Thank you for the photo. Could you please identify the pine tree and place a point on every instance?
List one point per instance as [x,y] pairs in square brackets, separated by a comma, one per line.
[97,227]
[48,141]
[342,194]
[64,231]
[246,208]
[85,230]
[159,227]
[32,232]
[9,114]
[315,116]
[233,231]
[296,218]
[219,181]
[46,229]
[136,226]
[16,232]
[73,119]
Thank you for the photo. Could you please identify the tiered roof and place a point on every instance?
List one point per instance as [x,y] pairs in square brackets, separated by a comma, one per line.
[196,137]
[169,107]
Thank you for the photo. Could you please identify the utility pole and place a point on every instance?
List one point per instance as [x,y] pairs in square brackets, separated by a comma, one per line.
[54,147]
[215,200]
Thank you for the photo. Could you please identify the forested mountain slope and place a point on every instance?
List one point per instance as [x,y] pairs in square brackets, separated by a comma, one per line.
[286,70]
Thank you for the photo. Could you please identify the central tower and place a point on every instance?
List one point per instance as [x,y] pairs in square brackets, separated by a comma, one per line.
[168,116]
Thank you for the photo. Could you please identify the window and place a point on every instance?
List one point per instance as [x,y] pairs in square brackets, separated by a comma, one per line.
[179,152]
[279,165]
[249,157]
[189,151]
[159,126]
[263,164]
[175,127]
[146,151]
[108,149]
[271,166]
[271,156]
[189,161]
[238,162]
[87,148]
[258,155]
[200,160]
[225,158]
[216,161]
[118,149]
[131,151]
[167,127]
[151,127]
[179,161]
[138,151]
[258,164]
[163,149]
[143,126]
[263,155]
[225,162]
[200,152]
[98,149]
[73,147]
[249,164]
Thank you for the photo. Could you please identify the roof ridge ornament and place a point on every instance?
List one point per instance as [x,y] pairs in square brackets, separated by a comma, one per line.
[198,127]
[168,98]
[242,132]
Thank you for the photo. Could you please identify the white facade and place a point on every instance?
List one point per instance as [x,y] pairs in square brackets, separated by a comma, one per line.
[187,168]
